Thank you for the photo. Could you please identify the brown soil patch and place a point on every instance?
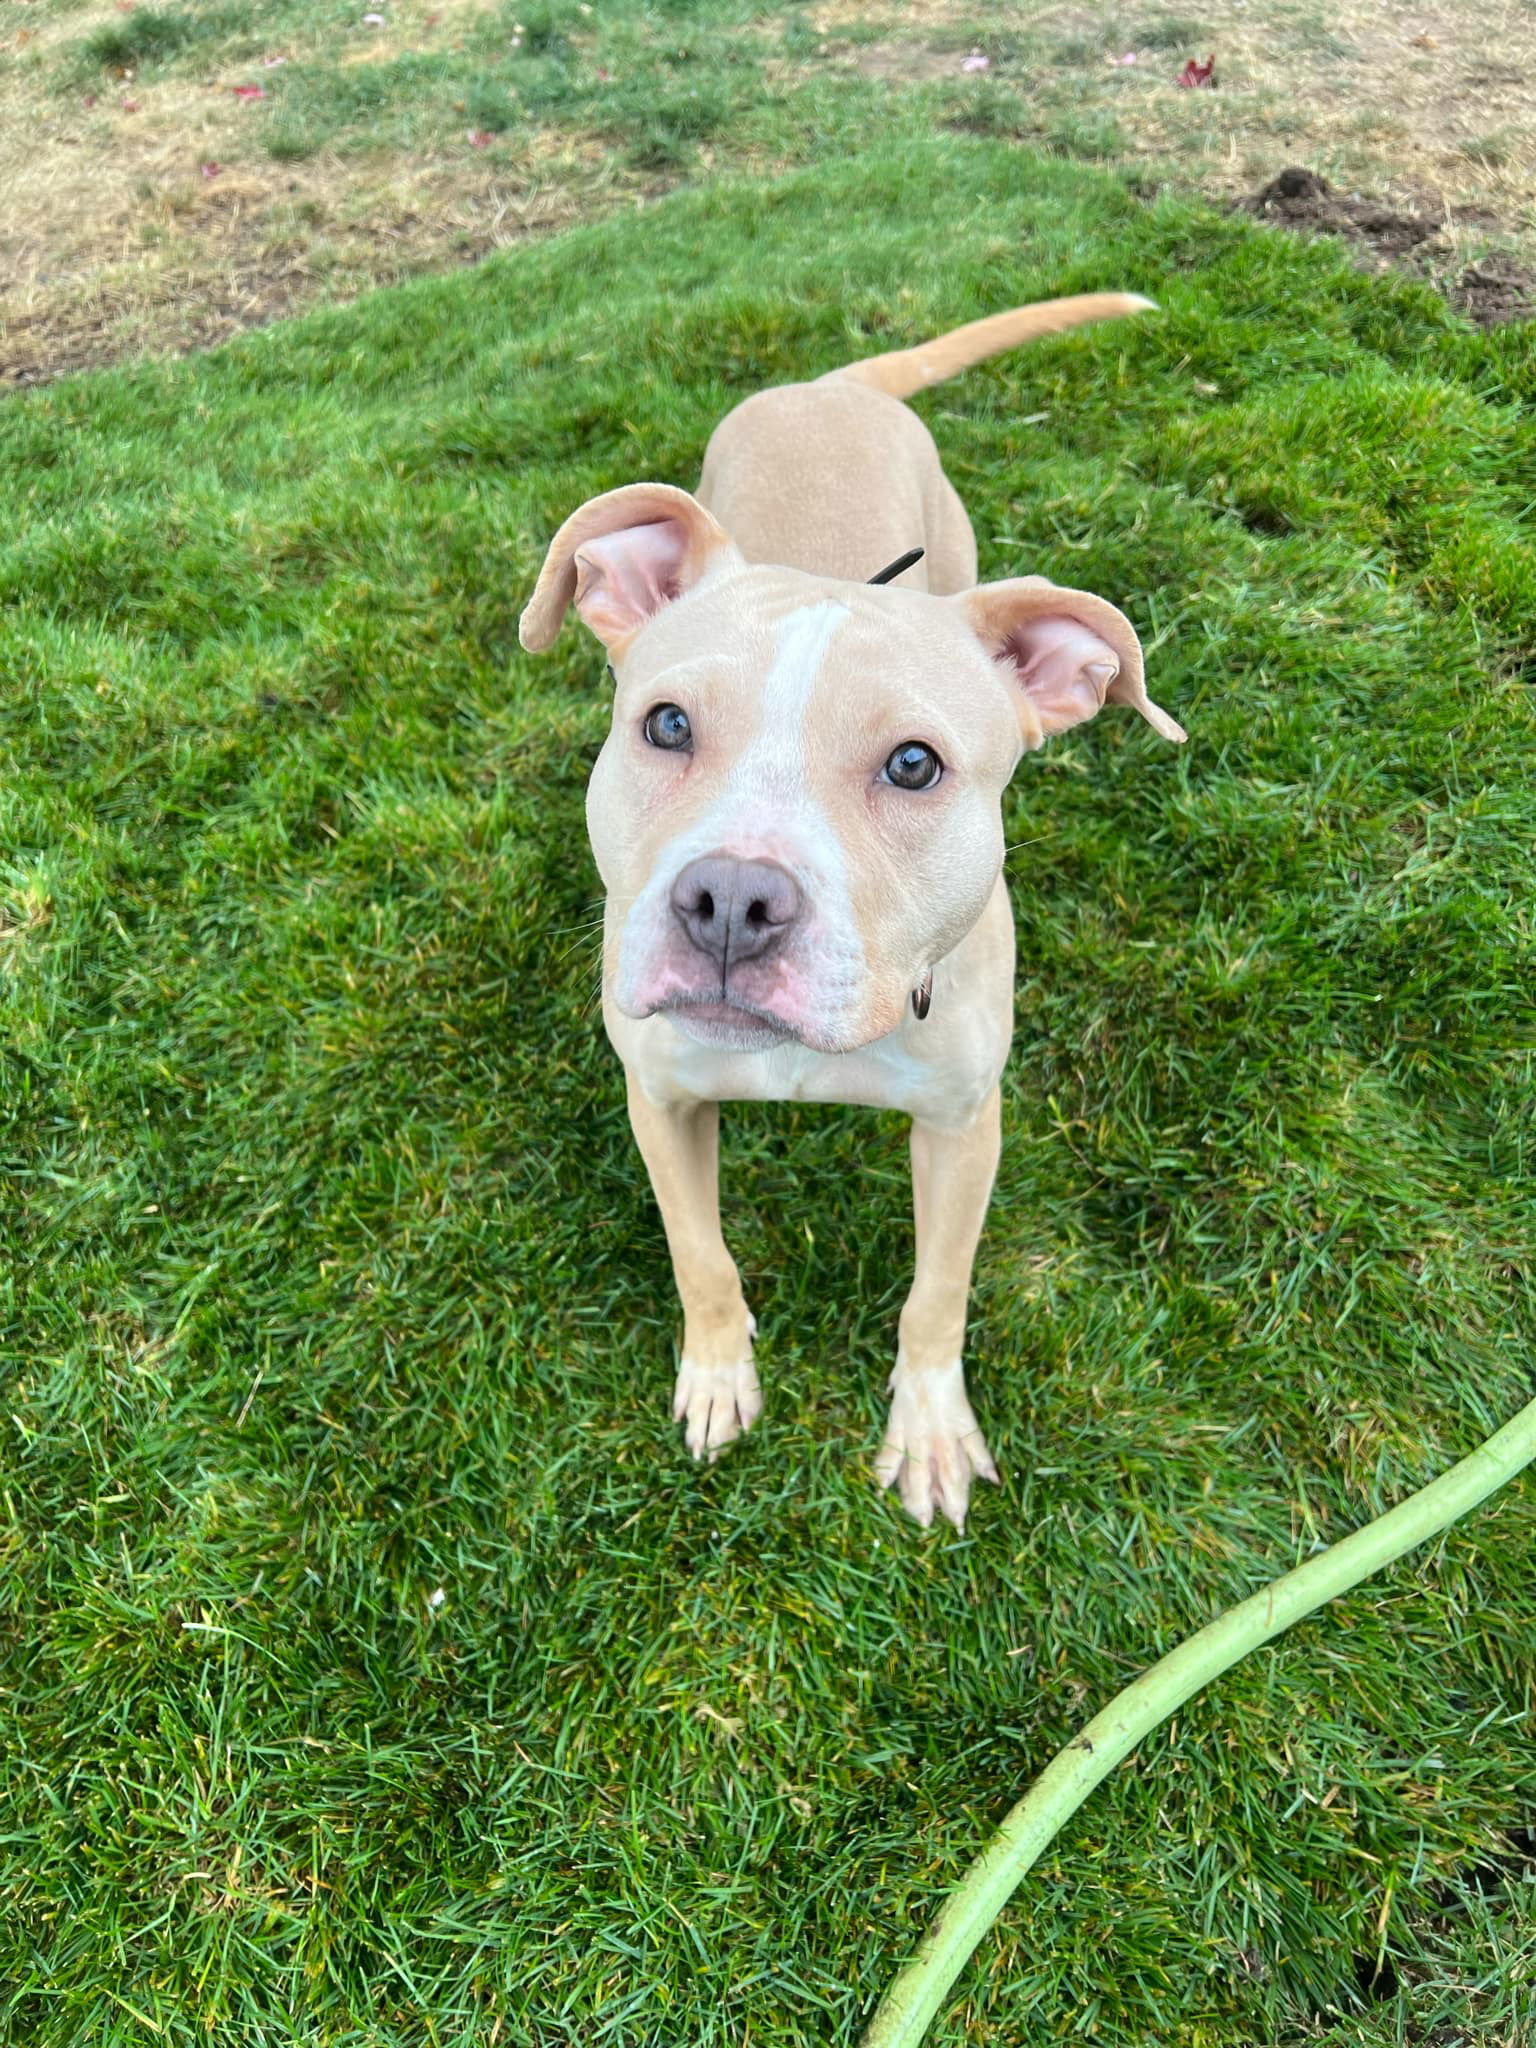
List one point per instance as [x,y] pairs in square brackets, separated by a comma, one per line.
[1302,200]
[1491,292]
[1496,290]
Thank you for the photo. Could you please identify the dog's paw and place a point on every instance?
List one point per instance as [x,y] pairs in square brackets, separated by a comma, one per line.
[716,1404]
[933,1445]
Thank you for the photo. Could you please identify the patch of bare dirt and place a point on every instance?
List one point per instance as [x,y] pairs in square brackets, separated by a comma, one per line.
[1495,290]
[1302,200]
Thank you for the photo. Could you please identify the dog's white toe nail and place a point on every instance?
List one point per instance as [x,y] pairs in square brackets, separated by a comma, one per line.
[933,1444]
[716,1403]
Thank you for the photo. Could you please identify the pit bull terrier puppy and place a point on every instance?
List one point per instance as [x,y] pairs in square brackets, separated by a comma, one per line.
[797,820]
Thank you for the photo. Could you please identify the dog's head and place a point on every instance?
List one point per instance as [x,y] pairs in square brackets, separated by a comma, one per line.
[798,808]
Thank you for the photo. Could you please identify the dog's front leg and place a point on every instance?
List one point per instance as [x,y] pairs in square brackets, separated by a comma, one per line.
[717,1394]
[932,1444]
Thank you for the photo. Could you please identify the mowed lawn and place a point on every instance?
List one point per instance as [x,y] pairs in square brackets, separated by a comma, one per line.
[374,1665]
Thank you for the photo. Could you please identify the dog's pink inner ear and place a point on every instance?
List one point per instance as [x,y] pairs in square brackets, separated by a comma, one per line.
[1065,669]
[624,578]
[1065,654]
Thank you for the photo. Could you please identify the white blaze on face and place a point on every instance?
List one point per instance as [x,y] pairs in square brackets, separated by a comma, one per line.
[766,811]
[800,647]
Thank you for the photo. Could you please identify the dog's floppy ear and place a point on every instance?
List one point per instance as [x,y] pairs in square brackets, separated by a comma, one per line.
[620,558]
[1068,654]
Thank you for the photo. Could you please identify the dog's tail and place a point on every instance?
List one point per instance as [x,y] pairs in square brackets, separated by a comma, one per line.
[906,370]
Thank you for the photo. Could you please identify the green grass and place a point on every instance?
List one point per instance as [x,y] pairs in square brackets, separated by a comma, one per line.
[335,1285]
[656,82]
[648,88]
[157,38]
[1170,33]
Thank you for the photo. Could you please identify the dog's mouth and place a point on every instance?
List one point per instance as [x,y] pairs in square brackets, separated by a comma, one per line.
[728,1026]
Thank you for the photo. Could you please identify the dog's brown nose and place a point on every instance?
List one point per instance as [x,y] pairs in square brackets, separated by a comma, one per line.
[734,909]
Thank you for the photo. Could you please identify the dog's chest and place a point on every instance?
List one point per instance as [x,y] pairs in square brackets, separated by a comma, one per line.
[885,1075]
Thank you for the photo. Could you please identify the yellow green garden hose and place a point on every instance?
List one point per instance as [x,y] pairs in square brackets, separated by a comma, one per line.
[903,2014]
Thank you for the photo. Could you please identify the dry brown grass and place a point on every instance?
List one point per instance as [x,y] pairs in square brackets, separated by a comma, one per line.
[187,266]
[1426,98]
[86,172]
[117,242]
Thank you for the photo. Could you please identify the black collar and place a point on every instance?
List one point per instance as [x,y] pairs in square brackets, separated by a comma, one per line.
[893,569]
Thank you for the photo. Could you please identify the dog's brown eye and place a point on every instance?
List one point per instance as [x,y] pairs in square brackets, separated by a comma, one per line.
[667,726]
[913,766]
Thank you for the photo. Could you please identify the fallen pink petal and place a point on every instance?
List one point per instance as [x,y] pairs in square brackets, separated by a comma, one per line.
[211,170]
[1125,57]
[130,106]
[271,63]
[480,138]
[977,62]
[249,92]
[1198,74]
[89,100]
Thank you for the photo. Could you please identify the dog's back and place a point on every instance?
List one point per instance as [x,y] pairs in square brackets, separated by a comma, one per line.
[837,477]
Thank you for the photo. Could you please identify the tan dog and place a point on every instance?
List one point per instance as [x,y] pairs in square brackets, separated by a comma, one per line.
[797,818]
